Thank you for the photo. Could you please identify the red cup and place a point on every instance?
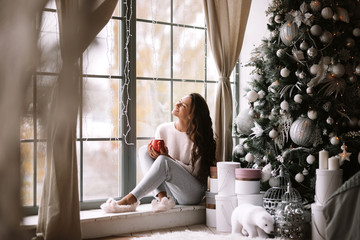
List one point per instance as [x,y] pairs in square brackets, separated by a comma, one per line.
[157,144]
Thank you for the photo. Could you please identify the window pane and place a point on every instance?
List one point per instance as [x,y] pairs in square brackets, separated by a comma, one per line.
[189,12]
[183,88]
[27,172]
[100,108]
[154,10]
[211,70]
[101,170]
[27,121]
[49,43]
[40,172]
[189,53]
[102,56]
[152,50]
[152,107]
[45,85]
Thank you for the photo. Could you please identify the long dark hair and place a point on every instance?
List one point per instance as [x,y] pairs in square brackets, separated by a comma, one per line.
[201,133]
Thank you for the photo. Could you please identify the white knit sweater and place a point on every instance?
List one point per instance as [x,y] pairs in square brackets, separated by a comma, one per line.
[179,146]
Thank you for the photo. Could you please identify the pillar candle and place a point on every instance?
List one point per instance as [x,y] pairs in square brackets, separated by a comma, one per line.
[334,163]
[323,159]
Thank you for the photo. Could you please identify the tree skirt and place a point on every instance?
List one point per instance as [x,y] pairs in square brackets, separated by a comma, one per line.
[196,235]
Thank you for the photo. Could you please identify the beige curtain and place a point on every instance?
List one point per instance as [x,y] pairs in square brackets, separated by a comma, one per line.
[59,216]
[18,39]
[226,22]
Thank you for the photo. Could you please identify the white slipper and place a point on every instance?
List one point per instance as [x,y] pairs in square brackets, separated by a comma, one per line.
[111,206]
[165,204]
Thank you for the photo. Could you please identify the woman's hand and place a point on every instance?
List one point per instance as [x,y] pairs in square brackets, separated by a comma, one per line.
[152,152]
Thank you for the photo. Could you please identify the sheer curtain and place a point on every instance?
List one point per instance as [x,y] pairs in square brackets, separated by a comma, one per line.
[19,54]
[226,22]
[79,22]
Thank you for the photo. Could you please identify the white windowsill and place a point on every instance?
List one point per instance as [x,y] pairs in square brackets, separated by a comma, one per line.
[96,223]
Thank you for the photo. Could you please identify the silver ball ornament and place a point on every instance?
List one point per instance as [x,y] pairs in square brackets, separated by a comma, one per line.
[326,37]
[316,30]
[334,140]
[327,13]
[304,45]
[356,32]
[315,6]
[338,70]
[312,52]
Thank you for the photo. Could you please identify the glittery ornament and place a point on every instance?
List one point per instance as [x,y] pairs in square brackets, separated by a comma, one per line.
[315,6]
[272,196]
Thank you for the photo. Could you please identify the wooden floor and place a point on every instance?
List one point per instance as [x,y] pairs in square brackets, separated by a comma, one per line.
[201,227]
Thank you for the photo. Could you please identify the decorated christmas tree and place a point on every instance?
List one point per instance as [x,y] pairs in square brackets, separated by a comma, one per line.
[304,93]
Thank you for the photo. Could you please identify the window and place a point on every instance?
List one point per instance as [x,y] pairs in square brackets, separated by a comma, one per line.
[172,59]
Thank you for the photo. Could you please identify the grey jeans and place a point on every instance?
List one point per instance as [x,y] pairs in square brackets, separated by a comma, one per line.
[165,175]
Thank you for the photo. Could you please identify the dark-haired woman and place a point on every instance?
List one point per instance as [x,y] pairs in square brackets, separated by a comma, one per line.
[178,173]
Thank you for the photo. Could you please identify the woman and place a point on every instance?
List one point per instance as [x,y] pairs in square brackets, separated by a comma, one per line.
[179,171]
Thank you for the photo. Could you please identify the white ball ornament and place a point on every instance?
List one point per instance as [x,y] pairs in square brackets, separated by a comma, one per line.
[302,75]
[261,94]
[315,6]
[310,159]
[357,69]
[314,69]
[309,90]
[330,120]
[327,13]
[305,172]
[312,114]
[334,140]
[299,177]
[284,105]
[356,32]
[316,30]
[284,72]
[252,96]
[298,98]
[249,157]
[280,52]
[277,19]
[273,133]
[338,70]
[304,45]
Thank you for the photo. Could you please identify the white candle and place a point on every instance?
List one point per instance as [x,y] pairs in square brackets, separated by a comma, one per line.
[334,163]
[323,159]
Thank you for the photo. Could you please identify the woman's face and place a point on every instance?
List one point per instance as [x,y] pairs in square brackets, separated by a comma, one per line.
[182,108]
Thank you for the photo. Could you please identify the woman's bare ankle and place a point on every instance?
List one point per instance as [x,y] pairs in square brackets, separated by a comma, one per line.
[127,200]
